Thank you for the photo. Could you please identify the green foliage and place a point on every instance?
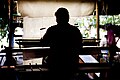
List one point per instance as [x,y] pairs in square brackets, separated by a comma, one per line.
[87,24]
[114,19]
[3,32]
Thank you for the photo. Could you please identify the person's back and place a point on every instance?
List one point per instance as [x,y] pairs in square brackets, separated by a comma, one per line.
[65,42]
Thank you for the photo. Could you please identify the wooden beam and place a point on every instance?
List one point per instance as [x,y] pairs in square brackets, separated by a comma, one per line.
[97,18]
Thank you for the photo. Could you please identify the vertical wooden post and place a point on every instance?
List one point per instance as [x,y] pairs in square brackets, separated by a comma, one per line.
[97,18]
[11,27]
[9,59]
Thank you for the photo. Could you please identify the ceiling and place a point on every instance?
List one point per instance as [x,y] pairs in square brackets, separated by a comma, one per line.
[111,7]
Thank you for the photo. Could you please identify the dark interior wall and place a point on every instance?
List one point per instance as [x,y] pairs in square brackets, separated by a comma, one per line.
[4,10]
[113,7]
[109,7]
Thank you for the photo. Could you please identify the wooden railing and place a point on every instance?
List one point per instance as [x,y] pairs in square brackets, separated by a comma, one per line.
[35,42]
[83,67]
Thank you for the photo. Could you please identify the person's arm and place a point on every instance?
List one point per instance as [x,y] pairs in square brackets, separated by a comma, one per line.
[44,41]
[79,42]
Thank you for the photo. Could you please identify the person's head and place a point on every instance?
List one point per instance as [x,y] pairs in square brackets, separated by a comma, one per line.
[62,15]
[108,26]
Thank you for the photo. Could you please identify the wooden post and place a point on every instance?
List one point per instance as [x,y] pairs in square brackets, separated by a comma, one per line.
[9,59]
[10,24]
[97,18]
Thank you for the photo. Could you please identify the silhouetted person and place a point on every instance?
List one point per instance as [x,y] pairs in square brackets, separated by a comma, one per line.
[65,42]
[111,43]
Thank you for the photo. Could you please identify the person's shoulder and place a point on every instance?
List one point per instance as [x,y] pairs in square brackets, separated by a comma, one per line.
[52,27]
[74,27]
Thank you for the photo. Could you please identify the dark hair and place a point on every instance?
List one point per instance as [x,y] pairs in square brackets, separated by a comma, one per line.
[62,15]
